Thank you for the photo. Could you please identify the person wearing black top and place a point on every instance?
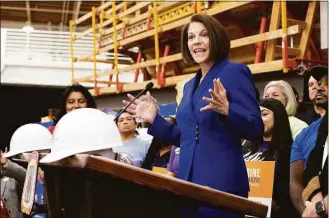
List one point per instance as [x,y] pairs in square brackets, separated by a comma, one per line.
[315,177]
[275,145]
[314,113]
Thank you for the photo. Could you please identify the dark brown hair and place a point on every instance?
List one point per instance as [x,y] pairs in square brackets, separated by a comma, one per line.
[220,43]
[76,87]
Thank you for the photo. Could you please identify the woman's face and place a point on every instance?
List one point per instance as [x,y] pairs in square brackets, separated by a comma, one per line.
[275,92]
[198,42]
[126,123]
[74,101]
[268,120]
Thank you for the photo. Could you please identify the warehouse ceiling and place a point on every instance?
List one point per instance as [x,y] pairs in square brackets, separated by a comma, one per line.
[51,15]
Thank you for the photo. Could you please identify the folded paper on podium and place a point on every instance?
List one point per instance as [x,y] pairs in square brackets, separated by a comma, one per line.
[88,186]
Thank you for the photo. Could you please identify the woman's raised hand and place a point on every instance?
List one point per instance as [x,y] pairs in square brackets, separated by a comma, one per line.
[218,101]
[144,108]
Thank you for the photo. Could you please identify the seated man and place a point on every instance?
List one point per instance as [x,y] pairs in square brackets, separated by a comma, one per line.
[315,194]
[305,142]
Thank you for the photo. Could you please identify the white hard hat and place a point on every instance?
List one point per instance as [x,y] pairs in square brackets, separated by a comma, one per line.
[80,131]
[29,137]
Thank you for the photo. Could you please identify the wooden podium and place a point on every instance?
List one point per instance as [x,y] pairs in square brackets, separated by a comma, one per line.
[86,186]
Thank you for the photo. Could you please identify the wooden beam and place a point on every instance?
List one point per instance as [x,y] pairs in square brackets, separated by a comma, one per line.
[143,16]
[265,67]
[190,69]
[246,59]
[88,15]
[105,82]
[292,22]
[173,25]
[172,81]
[291,51]
[263,37]
[274,25]
[120,16]
[307,31]
[98,26]
[227,6]
[111,61]
[176,57]
[167,59]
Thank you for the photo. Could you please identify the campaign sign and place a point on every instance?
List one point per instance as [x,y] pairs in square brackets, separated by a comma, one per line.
[261,179]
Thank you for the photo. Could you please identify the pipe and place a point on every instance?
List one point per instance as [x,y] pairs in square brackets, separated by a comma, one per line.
[77,10]
[260,45]
[139,59]
[284,36]
[115,44]
[315,51]
[62,18]
[93,18]
[66,13]
[110,77]
[156,40]
[149,13]
[198,7]
[164,66]
[101,21]
[28,11]
[71,50]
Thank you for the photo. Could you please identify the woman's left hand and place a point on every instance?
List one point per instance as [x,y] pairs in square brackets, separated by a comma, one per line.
[218,101]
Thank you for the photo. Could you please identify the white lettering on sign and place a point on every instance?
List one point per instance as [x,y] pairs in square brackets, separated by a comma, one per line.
[253,172]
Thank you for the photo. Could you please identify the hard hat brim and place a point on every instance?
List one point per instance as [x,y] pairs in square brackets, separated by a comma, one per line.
[56,156]
[13,153]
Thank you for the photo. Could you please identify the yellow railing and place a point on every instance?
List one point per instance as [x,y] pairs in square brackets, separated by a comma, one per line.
[129,26]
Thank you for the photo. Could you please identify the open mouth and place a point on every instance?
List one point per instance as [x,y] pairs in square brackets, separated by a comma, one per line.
[199,51]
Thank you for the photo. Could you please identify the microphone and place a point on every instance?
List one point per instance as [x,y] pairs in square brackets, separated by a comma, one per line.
[148,87]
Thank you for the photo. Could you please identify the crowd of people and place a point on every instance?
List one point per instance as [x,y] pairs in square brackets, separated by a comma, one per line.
[220,124]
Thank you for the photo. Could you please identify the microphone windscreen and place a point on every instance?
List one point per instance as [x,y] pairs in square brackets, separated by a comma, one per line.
[149,86]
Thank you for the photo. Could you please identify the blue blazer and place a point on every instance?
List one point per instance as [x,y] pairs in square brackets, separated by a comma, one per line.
[210,143]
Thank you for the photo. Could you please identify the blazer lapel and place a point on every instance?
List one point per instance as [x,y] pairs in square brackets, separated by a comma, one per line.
[208,79]
[186,106]
[194,85]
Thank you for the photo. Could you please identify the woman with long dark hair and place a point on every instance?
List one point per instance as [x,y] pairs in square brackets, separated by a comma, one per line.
[275,145]
[74,97]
